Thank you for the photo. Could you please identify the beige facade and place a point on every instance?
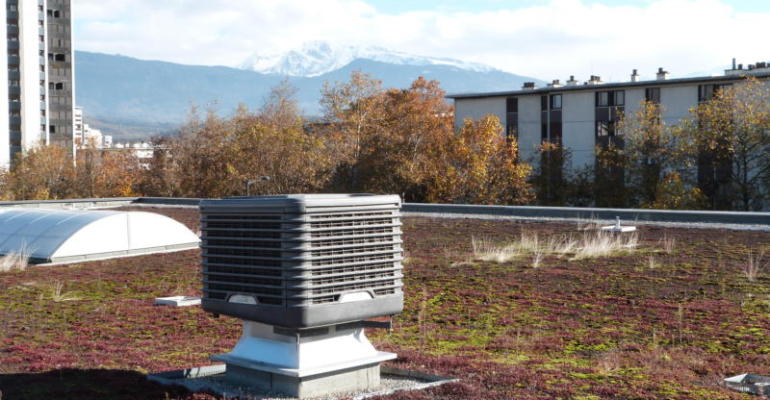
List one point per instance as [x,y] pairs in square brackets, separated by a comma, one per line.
[579,122]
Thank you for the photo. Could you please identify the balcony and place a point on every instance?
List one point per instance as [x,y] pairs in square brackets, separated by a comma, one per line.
[14,75]
[14,106]
[13,29]
[14,121]
[13,45]
[14,90]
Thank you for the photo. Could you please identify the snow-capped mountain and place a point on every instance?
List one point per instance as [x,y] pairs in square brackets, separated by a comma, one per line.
[149,96]
[318,57]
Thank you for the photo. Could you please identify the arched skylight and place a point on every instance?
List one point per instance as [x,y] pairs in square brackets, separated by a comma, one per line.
[57,237]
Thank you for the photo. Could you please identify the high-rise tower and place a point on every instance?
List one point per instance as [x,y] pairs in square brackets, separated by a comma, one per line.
[39,83]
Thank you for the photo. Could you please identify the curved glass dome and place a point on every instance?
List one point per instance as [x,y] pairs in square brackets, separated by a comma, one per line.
[58,237]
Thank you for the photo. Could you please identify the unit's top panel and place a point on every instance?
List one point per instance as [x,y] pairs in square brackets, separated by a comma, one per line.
[301,203]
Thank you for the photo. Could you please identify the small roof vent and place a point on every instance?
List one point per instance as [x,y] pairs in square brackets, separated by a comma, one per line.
[635,76]
[572,81]
[662,74]
[555,83]
[529,85]
[594,80]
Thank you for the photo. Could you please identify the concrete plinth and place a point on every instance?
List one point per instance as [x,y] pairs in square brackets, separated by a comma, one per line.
[304,364]
[348,380]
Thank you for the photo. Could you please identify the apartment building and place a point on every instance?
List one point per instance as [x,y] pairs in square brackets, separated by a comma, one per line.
[37,91]
[580,116]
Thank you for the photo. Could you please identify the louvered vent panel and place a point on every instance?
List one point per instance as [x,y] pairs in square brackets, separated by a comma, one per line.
[302,251]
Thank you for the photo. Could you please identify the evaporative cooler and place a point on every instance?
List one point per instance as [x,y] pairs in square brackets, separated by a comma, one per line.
[304,273]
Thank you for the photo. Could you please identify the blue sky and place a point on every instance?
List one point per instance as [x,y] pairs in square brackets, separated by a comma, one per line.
[545,39]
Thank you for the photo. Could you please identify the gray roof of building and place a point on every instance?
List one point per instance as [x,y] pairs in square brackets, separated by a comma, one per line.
[609,85]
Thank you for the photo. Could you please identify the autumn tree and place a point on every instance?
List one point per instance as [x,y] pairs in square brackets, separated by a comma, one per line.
[477,165]
[42,173]
[550,175]
[609,179]
[650,151]
[728,140]
[273,143]
[352,111]
[674,193]
[106,173]
[219,156]
[411,121]
[580,186]
[5,194]
[203,157]
[280,108]
[160,177]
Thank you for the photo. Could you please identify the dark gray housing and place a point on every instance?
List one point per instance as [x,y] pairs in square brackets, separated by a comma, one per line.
[298,258]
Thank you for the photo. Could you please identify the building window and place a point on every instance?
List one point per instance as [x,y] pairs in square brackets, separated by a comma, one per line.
[511,117]
[652,95]
[550,119]
[620,97]
[555,102]
[512,105]
[610,106]
[543,118]
[602,128]
[708,92]
[602,99]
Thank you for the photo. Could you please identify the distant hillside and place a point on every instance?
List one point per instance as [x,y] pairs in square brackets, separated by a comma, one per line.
[129,97]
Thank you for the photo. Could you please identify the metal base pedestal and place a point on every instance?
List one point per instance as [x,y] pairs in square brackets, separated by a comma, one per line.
[309,363]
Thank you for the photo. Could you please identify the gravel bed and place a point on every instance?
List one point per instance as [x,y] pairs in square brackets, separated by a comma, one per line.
[212,380]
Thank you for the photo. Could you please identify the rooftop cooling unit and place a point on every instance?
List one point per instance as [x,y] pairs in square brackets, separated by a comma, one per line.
[303,272]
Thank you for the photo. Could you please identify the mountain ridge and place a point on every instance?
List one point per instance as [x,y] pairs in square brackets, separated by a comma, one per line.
[118,90]
[317,58]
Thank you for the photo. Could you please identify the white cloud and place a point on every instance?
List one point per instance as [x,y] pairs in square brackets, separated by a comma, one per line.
[552,40]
